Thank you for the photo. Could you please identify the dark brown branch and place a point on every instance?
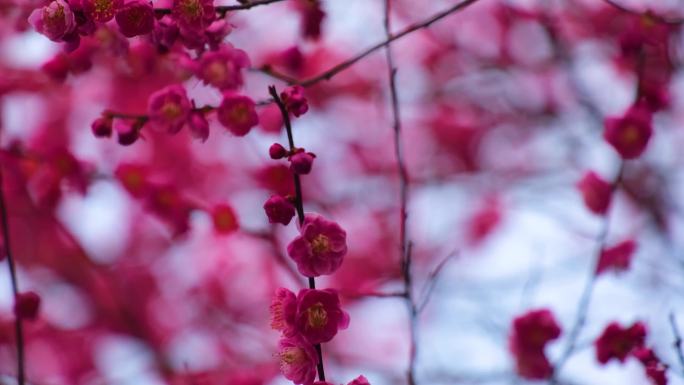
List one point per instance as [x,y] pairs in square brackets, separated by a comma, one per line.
[299,202]
[18,329]
[328,74]
[223,9]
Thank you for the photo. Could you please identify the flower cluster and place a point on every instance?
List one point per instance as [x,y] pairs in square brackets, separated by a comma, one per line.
[617,257]
[529,336]
[630,134]
[617,342]
[596,192]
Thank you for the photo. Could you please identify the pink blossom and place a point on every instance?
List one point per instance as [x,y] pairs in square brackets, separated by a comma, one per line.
[630,134]
[193,15]
[319,315]
[596,192]
[320,248]
[101,11]
[279,210]
[223,68]
[360,380]
[294,100]
[617,257]
[618,342]
[237,113]
[224,218]
[530,334]
[127,132]
[298,360]
[55,20]
[199,127]
[135,18]
[169,107]
[283,311]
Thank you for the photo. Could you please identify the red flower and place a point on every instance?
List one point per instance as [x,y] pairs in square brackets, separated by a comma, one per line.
[295,101]
[618,342]
[629,134]
[596,192]
[101,11]
[26,305]
[319,315]
[135,18]
[298,360]
[169,108]
[193,15]
[223,68]
[617,257]
[55,20]
[225,221]
[529,336]
[237,114]
[320,248]
[279,210]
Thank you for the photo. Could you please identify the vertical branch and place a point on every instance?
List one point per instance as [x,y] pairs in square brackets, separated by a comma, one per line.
[299,202]
[678,340]
[404,246]
[585,299]
[18,329]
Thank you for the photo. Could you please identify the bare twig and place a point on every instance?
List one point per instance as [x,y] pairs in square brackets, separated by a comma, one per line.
[678,340]
[432,282]
[18,329]
[223,9]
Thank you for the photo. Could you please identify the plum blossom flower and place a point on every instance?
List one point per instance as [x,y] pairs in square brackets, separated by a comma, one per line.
[56,20]
[298,360]
[360,380]
[101,11]
[617,257]
[279,210]
[169,108]
[294,100]
[135,18]
[193,15]
[630,134]
[224,218]
[654,368]
[320,248]
[237,113]
[301,162]
[319,315]
[199,127]
[283,311]
[530,334]
[223,68]
[618,342]
[596,192]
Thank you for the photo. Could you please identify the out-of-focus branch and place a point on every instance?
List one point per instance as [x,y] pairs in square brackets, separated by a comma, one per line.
[222,10]
[18,329]
[678,341]
[331,72]
[585,298]
[432,282]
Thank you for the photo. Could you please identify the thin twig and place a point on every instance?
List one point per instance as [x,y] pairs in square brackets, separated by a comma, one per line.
[299,203]
[678,340]
[432,282]
[223,9]
[328,74]
[585,299]
[18,329]
[653,16]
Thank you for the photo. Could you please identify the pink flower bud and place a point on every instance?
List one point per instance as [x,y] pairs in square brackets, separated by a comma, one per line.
[294,100]
[277,151]
[102,127]
[617,258]
[128,133]
[279,210]
[301,162]
[199,127]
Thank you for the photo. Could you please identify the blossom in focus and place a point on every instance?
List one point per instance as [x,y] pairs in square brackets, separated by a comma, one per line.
[320,247]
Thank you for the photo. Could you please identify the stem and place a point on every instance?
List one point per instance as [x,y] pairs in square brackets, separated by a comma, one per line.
[404,248]
[299,203]
[223,9]
[678,340]
[328,74]
[18,329]
[585,299]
